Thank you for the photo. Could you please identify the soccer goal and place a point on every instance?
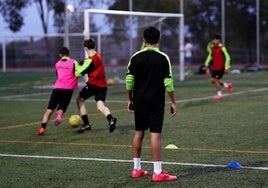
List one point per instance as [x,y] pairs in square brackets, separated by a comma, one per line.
[121,34]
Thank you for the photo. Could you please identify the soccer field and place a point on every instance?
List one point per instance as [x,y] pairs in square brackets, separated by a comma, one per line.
[208,135]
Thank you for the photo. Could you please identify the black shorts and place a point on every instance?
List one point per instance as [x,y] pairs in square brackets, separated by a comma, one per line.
[217,74]
[152,121]
[98,92]
[60,98]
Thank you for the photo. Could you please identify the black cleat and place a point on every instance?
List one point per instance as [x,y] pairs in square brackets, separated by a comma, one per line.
[84,128]
[112,124]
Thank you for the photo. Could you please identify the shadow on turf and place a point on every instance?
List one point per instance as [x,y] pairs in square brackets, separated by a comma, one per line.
[122,129]
[198,171]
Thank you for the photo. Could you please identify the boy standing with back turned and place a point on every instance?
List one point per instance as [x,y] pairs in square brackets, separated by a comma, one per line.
[149,76]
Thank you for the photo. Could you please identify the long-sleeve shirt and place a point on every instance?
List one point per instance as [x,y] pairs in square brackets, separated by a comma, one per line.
[149,75]
[93,66]
[218,57]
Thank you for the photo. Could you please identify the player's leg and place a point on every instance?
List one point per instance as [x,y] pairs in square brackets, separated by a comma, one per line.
[84,94]
[215,79]
[140,127]
[156,124]
[100,96]
[66,96]
[227,85]
[52,104]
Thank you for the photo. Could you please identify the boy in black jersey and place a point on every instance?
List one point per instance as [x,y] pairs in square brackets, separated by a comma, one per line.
[149,76]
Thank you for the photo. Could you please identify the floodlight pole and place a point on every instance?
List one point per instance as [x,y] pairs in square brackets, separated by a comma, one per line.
[130,3]
[4,55]
[223,21]
[66,26]
[257,32]
[181,42]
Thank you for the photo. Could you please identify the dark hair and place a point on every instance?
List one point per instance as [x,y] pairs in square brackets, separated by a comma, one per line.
[216,36]
[64,51]
[90,43]
[151,35]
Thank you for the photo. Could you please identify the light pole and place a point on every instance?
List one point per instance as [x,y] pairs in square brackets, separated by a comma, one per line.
[258,32]
[223,21]
[67,8]
[130,8]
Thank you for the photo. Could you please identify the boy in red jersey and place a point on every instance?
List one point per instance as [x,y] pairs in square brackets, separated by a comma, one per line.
[220,60]
[96,86]
[63,88]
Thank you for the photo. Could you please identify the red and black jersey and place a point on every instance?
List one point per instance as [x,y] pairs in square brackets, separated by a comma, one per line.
[96,76]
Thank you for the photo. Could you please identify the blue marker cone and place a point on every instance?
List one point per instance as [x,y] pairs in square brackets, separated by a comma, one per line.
[234,164]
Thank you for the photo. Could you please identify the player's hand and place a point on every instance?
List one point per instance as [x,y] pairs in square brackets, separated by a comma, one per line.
[173,109]
[130,106]
[81,62]
[207,71]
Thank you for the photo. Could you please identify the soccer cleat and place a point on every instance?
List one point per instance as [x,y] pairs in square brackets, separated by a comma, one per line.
[164,176]
[59,117]
[84,128]
[112,124]
[139,173]
[230,87]
[41,131]
[218,97]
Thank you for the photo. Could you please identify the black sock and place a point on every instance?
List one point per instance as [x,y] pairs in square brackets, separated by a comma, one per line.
[109,117]
[85,119]
[44,125]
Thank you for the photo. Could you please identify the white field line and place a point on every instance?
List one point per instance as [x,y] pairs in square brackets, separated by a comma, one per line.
[22,97]
[127,161]
[12,97]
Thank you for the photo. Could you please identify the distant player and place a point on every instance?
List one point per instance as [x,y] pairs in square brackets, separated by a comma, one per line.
[64,86]
[188,49]
[149,76]
[219,59]
[96,86]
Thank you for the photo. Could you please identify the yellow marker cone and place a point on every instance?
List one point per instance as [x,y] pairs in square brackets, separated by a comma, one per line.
[171,146]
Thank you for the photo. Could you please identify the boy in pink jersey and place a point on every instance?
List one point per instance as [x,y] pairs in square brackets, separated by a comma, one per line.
[64,86]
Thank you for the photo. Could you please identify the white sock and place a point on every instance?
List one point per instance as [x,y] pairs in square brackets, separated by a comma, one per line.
[157,167]
[219,93]
[137,163]
[225,84]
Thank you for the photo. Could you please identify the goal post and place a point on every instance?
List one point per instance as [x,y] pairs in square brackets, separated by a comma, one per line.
[87,30]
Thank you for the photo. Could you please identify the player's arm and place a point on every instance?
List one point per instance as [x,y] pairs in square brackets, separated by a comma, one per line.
[209,58]
[129,87]
[227,58]
[130,78]
[80,70]
[169,85]
[170,90]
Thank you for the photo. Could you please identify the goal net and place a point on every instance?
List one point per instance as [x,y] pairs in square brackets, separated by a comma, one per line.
[121,34]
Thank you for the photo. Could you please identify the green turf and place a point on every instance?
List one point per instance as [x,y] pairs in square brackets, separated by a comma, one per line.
[205,132]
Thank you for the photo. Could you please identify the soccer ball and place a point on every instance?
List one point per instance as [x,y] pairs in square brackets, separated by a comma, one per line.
[75,121]
[110,81]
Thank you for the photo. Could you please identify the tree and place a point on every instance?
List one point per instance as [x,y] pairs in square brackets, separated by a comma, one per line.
[11,11]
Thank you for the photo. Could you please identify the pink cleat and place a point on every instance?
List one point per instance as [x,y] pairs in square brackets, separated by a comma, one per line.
[230,87]
[218,97]
[139,173]
[59,117]
[164,176]
[41,131]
